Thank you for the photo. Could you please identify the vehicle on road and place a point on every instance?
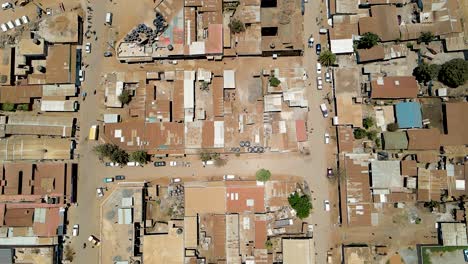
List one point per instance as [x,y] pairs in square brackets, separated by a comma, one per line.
[93,132]
[108,180]
[25,19]
[319,68]
[159,163]
[81,75]
[94,240]
[465,254]
[119,177]
[323,31]
[327,138]
[329,257]
[18,22]
[133,164]
[76,229]
[99,192]
[326,205]
[323,108]
[229,177]
[48,11]
[10,24]
[318,48]
[175,180]
[327,77]
[330,173]
[109,18]
[107,54]
[208,162]
[4,27]
[319,83]
[7,5]
[88,47]
[311,41]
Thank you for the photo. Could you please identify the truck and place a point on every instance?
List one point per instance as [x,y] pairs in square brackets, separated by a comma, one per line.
[109,18]
[93,132]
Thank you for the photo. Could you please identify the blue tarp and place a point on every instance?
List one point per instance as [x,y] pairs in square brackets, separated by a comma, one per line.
[408,115]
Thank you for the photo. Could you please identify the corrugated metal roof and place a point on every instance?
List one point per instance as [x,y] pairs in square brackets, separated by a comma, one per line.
[409,115]
[6,255]
[229,79]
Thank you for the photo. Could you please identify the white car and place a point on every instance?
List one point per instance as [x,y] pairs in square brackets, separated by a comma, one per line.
[175,180]
[4,27]
[7,5]
[172,163]
[133,164]
[319,83]
[88,47]
[327,138]
[94,240]
[25,19]
[327,77]
[76,230]
[229,177]
[81,75]
[319,68]
[326,205]
[10,24]
[323,108]
[99,192]
[18,22]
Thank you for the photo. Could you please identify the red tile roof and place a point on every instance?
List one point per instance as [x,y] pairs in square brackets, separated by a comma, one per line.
[260,234]
[248,197]
[395,87]
[301,133]
[214,45]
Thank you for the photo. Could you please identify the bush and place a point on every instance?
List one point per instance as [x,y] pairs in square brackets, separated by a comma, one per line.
[206,156]
[105,150]
[236,26]
[372,135]
[274,81]
[22,107]
[368,122]
[119,156]
[392,127]
[454,72]
[368,40]
[125,97]
[359,133]
[263,175]
[268,244]
[327,58]
[9,107]
[301,204]
[426,37]
[139,156]
[378,142]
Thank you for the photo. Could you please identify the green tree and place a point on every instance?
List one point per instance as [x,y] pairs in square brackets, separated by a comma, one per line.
[431,204]
[105,150]
[454,72]
[9,107]
[204,86]
[426,37]
[22,107]
[426,72]
[268,244]
[236,26]
[301,204]
[119,156]
[139,156]
[359,133]
[368,122]
[263,175]
[327,58]
[274,81]
[125,97]
[205,156]
[378,142]
[368,40]
[392,127]
[372,135]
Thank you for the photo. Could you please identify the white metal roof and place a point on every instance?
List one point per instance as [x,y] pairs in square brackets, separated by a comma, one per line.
[339,46]
[125,216]
[386,174]
[197,48]
[58,105]
[229,79]
[111,118]
[218,134]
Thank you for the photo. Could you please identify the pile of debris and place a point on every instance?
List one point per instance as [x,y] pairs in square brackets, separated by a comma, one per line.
[142,34]
[160,23]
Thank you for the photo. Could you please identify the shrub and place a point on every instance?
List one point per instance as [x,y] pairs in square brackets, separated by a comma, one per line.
[368,122]
[9,107]
[125,97]
[454,72]
[372,135]
[22,107]
[359,133]
[236,26]
[368,40]
[327,58]
[301,204]
[274,81]
[392,127]
[139,156]
[263,175]
[426,37]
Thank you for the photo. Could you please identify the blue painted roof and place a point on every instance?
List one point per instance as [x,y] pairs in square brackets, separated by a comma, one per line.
[408,115]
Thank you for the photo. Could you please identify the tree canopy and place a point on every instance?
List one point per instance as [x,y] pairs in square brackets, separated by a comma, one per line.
[426,72]
[301,204]
[105,150]
[368,122]
[125,97]
[263,175]
[392,127]
[119,156]
[426,37]
[139,156]
[454,72]
[9,107]
[22,107]
[368,40]
[274,81]
[359,133]
[236,26]
[327,58]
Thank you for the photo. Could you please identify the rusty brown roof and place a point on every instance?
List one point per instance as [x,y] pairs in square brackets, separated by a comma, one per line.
[456,118]
[423,139]
[59,64]
[395,87]
[409,168]
[20,94]
[18,217]
[373,54]
[383,22]
[178,114]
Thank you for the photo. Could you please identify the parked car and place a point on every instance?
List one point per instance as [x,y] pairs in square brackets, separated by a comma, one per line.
[159,163]
[172,163]
[208,162]
[323,108]
[327,138]
[88,47]
[48,11]
[7,5]
[133,164]
[319,68]
[10,24]
[327,77]
[108,180]
[107,164]
[94,240]
[326,205]
[329,172]
[100,192]
[81,75]
[465,254]
[175,180]
[229,177]
[119,177]
[25,19]
[311,41]
[107,54]
[76,229]
[114,164]
[18,22]
[318,49]
[319,83]
[4,27]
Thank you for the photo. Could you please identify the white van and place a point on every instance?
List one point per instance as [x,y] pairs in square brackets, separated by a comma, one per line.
[326,205]
[319,68]
[18,22]
[109,18]
[3,27]
[133,164]
[25,19]
[229,177]
[81,75]
[323,108]
[208,162]
[10,24]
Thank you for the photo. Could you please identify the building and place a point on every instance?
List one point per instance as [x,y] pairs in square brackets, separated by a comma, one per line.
[423,139]
[386,174]
[453,234]
[298,251]
[408,115]
[33,148]
[394,87]
[39,125]
[395,140]
[455,132]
